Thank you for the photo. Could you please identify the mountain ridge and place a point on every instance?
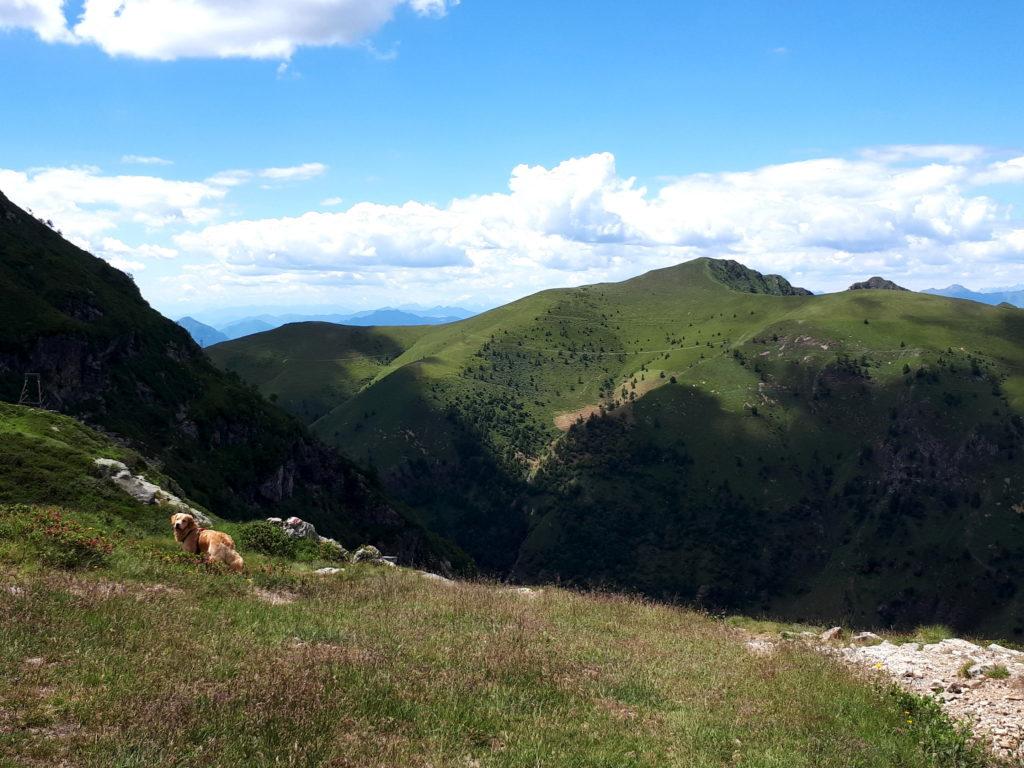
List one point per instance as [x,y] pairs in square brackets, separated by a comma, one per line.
[693,462]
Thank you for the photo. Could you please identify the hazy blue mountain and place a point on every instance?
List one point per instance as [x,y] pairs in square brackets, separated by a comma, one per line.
[1009,296]
[204,335]
[247,327]
[457,312]
[385,316]
[396,317]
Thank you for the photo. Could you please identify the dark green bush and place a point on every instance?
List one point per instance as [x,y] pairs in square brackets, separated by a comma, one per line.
[267,539]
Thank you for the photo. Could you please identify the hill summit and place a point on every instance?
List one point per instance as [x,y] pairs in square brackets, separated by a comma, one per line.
[876,284]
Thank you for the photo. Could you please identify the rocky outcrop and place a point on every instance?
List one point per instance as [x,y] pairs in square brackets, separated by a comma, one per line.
[741,278]
[145,492]
[297,528]
[983,686]
[876,284]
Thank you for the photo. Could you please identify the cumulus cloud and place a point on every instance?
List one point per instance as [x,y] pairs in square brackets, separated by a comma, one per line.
[907,212]
[917,215]
[44,17]
[1003,172]
[86,203]
[261,29]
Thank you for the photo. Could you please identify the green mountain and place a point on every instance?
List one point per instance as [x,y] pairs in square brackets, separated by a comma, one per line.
[704,433]
[102,354]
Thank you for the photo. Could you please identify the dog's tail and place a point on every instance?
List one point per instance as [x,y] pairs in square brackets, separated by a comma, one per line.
[228,556]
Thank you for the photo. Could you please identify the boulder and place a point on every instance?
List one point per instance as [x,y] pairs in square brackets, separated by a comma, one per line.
[866,638]
[367,554]
[332,550]
[145,492]
[831,634]
[297,528]
[328,571]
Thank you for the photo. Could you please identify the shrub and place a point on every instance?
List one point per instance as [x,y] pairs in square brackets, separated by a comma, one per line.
[332,550]
[997,672]
[63,543]
[932,633]
[941,740]
[267,538]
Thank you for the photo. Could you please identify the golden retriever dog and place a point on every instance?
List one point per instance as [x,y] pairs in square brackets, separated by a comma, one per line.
[218,547]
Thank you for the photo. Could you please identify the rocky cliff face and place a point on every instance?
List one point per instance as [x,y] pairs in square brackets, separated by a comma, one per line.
[104,355]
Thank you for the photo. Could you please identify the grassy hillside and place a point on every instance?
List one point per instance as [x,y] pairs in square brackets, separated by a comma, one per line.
[104,355]
[851,456]
[147,657]
[47,459]
[299,365]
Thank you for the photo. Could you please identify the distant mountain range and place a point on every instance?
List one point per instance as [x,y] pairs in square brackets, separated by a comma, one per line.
[1014,296]
[203,334]
[208,335]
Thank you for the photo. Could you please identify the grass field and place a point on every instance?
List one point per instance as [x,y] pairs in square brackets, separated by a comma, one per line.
[151,659]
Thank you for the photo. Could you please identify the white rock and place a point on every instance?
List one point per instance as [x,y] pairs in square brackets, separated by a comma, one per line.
[831,634]
[328,571]
[436,577]
[865,638]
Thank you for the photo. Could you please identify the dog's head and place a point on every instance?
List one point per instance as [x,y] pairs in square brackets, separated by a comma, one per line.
[182,523]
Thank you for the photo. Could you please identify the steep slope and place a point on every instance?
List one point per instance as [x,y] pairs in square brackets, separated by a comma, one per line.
[48,459]
[202,334]
[706,433]
[104,355]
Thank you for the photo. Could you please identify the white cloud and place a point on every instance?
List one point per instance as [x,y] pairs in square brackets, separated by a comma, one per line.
[44,17]
[1004,172]
[895,153]
[907,212]
[126,265]
[172,29]
[916,215]
[295,173]
[90,208]
[145,160]
[111,247]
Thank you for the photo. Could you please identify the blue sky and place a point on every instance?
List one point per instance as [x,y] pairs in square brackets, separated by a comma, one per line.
[424,108]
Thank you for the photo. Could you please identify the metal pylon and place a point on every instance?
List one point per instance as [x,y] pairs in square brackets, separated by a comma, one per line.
[32,391]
